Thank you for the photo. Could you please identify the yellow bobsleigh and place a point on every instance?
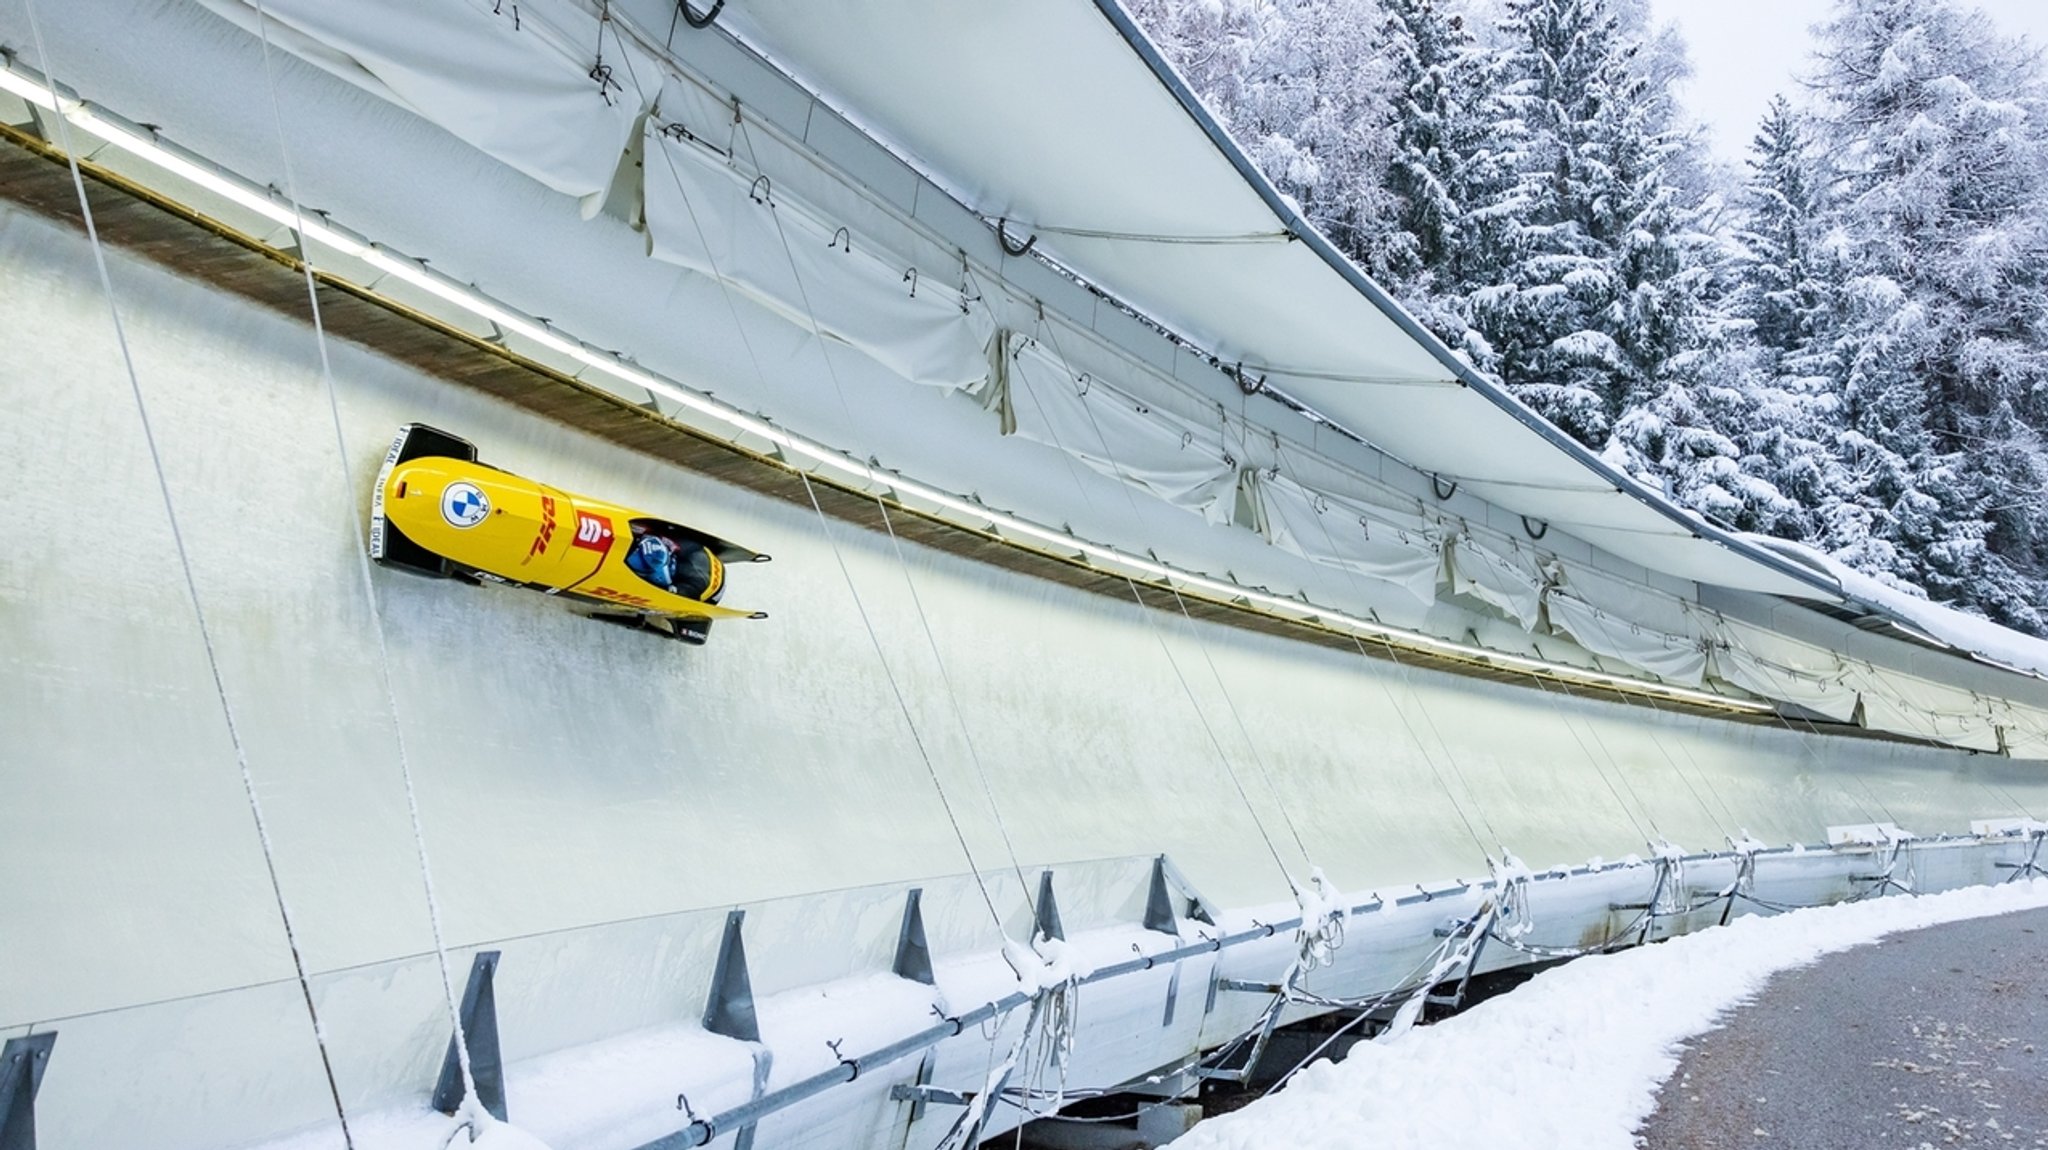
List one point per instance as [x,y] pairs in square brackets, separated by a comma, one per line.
[437,511]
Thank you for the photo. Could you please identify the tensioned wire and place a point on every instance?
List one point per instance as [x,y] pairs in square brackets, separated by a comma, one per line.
[874,639]
[1201,716]
[1602,621]
[377,627]
[215,676]
[1805,745]
[1193,629]
[1443,745]
[903,562]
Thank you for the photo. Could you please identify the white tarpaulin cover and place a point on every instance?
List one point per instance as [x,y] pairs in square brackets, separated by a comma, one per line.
[705,216]
[515,81]
[1886,708]
[1510,580]
[1338,532]
[1180,462]
[1822,693]
[1673,658]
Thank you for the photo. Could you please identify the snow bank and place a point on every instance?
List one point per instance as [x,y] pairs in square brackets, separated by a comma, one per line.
[1574,1058]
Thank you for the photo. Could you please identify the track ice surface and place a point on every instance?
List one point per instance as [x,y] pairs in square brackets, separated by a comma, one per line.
[1574,1058]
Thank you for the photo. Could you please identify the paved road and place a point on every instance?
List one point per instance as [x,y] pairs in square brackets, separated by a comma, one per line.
[1931,1039]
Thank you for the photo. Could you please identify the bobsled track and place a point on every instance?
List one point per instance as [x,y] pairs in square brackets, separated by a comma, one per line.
[972,823]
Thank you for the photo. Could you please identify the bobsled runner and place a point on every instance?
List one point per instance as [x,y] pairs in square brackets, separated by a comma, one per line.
[438,511]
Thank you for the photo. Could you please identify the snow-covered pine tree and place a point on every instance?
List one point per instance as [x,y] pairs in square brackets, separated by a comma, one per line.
[1775,317]
[1304,86]
[1448,134]
[1937,127]
[1595,304]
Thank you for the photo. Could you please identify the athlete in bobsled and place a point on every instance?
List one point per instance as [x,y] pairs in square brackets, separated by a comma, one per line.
[686,569]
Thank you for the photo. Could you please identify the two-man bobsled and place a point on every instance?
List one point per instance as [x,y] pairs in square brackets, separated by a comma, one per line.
[437,511]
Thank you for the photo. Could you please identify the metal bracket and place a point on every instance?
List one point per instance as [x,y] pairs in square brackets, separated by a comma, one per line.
[22,1062]
[729,1010]
[480,1030]
[1048,917]
[1250,987]
[1198,907]
[913,954]
[925,1094]
[924,1078]
[1011,249]
[1172,997]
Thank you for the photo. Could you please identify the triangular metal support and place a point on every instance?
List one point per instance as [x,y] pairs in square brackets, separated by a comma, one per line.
[480,1028]
[1159,914]
[730,1009]
[1048,910]
[1198,907]
[22,1062]
[913,955]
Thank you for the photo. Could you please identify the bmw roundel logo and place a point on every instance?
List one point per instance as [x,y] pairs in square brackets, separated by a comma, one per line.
[463,504]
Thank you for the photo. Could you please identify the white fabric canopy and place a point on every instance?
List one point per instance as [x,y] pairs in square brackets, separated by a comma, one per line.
[515,81]
[1827,694]
[1339,532]
[1178,461]
[1510,580]
[705,216]
[1672,658]
[1981,637]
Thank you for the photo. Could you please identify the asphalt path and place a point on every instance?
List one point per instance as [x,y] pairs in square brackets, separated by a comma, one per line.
[1929,1039]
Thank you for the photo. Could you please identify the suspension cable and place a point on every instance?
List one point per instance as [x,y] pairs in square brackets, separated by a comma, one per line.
[1415,693]
[761,375]
[377,624]
[215,676]
[1201,717]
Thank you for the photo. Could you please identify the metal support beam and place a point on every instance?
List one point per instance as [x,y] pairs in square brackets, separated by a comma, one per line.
[480,1029]
[730,1008]
[913,954]
[22,1062]
[1048,910]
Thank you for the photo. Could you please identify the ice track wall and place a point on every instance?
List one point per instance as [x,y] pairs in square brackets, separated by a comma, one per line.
[594,799]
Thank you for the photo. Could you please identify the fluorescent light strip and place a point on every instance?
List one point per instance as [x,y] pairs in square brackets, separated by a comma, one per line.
[146,145]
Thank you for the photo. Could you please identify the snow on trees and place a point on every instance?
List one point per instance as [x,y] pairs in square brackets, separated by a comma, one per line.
[1847,344]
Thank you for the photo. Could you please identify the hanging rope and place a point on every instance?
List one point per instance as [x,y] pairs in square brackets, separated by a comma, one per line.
[1806,744]
[1601,620]
[952,695]
[1201,717]
[472,1107]
[1414,693]
[219,684]
[760,373]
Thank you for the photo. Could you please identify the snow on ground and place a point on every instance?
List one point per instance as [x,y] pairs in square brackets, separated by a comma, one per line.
[1575,1057]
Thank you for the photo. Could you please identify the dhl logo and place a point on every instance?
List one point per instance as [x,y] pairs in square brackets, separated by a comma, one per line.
[621,597]
[546,534]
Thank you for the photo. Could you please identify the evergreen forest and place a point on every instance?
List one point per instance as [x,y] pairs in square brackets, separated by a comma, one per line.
[1844,341]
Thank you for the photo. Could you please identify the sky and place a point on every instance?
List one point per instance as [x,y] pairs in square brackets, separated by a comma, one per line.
[1743,51]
